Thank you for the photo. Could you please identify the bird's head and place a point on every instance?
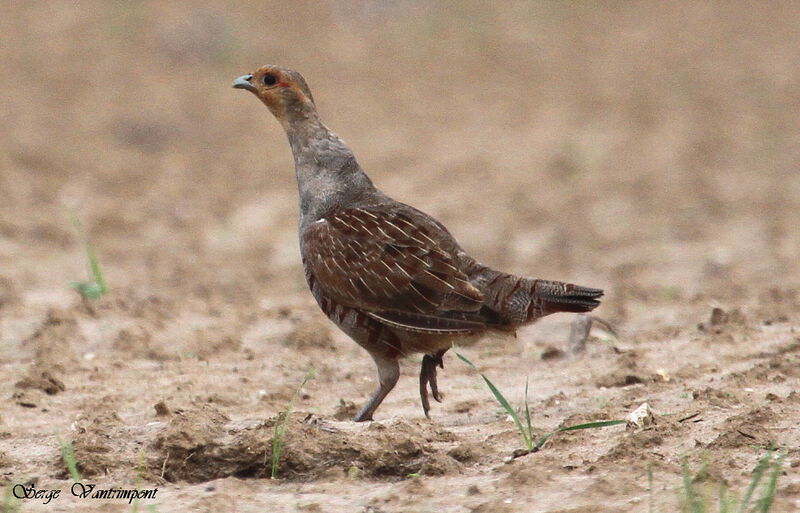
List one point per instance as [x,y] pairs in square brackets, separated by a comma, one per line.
[284,91]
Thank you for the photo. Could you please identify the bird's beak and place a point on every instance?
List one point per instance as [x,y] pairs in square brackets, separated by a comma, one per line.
[243,82]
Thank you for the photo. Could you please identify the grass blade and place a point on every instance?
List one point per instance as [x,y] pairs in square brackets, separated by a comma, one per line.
[528,414]
[758,472]
[506,406]
[724,502]
[68,455]
[588,425]
[94,269]
[280,427]
[503,402]
[10,503]
[592,425]
[97,286]
[695,506]
[764,503]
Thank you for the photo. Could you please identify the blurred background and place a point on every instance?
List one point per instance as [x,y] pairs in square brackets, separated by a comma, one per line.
[651,148]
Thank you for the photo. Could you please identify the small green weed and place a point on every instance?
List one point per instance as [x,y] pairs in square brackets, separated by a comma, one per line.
[141,465]
[10,503]
[525,430]
[280,427]
[150,508]
[68,455]
[96,287]
[696,502]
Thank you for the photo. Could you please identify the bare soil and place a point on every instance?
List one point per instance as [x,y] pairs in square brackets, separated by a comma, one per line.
[651,149]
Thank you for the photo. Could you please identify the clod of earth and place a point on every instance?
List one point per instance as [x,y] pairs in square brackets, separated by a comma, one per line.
[203,444]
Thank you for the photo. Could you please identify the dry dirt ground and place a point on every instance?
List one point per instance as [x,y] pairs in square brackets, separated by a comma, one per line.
[650,148]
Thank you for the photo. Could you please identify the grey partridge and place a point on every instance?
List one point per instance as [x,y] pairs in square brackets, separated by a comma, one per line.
[391,277]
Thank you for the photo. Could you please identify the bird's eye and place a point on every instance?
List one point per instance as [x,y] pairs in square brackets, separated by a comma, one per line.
[269,79]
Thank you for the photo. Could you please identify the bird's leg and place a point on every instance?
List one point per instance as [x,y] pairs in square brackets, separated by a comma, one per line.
[424,377]
[388,374]
[437,360]
[579,333]
[427,377]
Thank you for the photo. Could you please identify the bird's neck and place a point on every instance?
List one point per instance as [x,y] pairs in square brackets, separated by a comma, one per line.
[327,173]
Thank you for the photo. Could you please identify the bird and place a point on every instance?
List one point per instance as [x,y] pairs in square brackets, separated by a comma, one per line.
[388,275]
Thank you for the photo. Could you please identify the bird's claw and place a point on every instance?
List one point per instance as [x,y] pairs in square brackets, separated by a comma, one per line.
[427,378]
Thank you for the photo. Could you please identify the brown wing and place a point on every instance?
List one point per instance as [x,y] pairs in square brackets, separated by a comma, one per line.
[382,262]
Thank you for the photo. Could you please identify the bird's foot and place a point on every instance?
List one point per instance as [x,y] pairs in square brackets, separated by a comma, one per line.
[362,418]
[427,378]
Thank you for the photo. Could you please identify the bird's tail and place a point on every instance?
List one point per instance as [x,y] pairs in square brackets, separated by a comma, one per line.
[514,301]
[556,296]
